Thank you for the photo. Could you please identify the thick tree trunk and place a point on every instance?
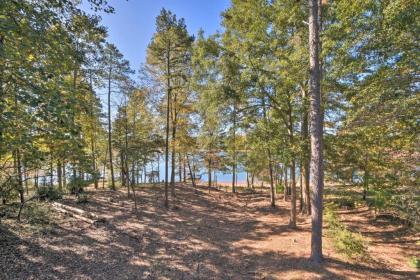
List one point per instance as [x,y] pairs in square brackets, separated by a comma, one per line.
[317,168]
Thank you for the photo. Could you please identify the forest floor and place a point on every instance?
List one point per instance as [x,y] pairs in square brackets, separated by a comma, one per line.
[203,235]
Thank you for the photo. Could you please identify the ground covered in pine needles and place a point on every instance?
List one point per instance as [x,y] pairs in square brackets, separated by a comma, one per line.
[203,235]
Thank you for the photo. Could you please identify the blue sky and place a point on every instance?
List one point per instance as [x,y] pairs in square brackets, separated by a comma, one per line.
[132,25]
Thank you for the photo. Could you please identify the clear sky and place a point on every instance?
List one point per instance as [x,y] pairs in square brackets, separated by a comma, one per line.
[132,25]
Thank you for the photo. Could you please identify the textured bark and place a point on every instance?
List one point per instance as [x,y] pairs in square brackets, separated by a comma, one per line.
[173,155]
[285,183]
[109,132]
[209,173]
[305,157]
[317,170]
[168,100]
[59,175]
[234,149]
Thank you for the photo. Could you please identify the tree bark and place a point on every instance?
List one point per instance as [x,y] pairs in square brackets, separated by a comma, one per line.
[317,168]
[168,100]
[109,132]
[305,155]
[59,175]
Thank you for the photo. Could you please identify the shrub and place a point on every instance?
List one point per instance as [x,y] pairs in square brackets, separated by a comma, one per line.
[82,198]
[345,202]
[348,243]
[279,188]
[37,213]
[414,262]
[50,193]
[76,185]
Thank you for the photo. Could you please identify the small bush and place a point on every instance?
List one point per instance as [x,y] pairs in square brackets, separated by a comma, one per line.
[346,203]
[83,198]
[414,262]
[279,188]
[76,185]
[50,193]
[37,213]
[348,243]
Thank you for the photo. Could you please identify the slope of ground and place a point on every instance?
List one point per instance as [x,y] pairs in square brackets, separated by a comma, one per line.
[213,235]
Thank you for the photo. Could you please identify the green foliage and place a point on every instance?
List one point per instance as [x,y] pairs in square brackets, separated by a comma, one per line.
[77,185]
[37,213]
[83,198]
[8,191]
[414,262]
[348,243]
[345,202]
[279,188]
[50,193]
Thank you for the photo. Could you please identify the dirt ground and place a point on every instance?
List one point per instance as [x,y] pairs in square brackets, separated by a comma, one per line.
[206,235]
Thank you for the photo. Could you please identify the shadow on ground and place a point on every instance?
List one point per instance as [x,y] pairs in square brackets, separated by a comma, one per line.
[198,238]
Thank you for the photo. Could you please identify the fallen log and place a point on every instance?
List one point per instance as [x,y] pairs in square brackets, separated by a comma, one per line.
[71,214]
[78,213]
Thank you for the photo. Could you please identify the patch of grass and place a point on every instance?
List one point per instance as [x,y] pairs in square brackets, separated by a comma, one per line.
[345,242]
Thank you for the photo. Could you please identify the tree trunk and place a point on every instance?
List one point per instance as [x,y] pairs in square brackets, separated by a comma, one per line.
[234,149]
[173,160]
[209,173]
[305,155]
[191,172]
[168,100]
[109,132]
[285,183]
[64,175]
[18,166]
[36,179]
[185,171]
[59,175]
[292,222]
[317,168]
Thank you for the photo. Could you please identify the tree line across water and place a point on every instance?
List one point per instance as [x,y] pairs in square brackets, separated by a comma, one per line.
[287,89]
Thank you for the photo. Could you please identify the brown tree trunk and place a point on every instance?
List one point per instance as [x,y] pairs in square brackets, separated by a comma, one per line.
[109,132]
[285,183]
[305,155]
[317,168]
[209,173]
[168,100]
[59,175]
[173,159]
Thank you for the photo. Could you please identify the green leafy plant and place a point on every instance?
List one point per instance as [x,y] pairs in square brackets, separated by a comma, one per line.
[77,185]
[83,198]
[414,262]
[345,242]
[50,193]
